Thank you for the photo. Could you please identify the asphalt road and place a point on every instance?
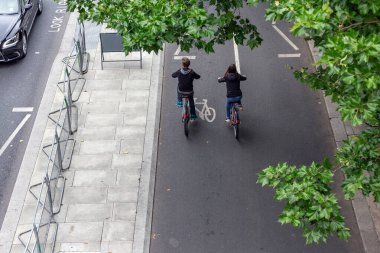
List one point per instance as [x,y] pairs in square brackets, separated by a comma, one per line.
[22,84]
[206,196]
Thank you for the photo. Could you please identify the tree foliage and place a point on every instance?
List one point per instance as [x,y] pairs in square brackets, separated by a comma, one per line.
[310,205]
[347,34]
[148,24]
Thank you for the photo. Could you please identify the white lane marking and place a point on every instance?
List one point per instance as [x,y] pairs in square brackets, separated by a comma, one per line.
[178,50]
[22,109]
[236,52]
[178,57]
[285,38]
[13,135]
[207,113]
[288,55]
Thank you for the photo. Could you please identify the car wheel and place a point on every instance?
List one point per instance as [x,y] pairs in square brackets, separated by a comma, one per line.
[24,46]
[40,7]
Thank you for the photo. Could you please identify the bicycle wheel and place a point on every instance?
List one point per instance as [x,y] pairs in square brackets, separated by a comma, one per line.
[236,131]
[186,127]
[235,122]
[186,116]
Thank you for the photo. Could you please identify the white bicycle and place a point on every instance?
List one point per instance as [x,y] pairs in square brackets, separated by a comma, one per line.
[206,113]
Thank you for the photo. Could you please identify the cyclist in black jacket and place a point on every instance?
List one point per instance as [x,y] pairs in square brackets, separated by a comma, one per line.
[234,94]
[186,77]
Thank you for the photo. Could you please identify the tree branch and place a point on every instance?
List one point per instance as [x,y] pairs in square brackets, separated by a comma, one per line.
[358,24]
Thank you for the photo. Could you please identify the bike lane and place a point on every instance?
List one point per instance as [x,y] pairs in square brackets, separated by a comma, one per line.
[206,196]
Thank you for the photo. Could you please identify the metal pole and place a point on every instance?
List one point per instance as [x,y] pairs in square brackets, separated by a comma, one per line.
[68,102]
[59,152]
[80,57]
[47,182]
[37,239]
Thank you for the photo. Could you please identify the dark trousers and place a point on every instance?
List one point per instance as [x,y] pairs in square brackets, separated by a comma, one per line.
[191,100]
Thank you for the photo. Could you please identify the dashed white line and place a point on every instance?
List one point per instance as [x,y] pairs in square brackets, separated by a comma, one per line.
[22,109]
[288,55]
[285,38]
[179,57]
[13,135]
[236,52]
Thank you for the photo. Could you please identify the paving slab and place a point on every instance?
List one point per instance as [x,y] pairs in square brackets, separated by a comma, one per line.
[91,162]
[338,129]
[331,108]
[138,95]
[123,194]
[100,147]
[85,195]
[80,247]
[108,74]
[117,247]
[96,133]
[115,84]
[82,232]
[138,107]
[132,146]
[124,211]
[133,119]
[128,178]
[136,84]
[89,212]
[102,107]
[130,132]
[99,120]
[95,178]
[108,95]
[118,231]
[139,74]
[126,161]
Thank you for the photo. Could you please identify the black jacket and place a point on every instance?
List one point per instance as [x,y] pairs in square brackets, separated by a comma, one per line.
[185,79]
[233,84]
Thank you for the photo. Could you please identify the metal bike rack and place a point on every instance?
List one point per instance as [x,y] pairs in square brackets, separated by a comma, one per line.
[41,237]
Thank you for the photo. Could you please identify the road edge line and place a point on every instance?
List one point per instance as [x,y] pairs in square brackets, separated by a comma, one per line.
[237,59]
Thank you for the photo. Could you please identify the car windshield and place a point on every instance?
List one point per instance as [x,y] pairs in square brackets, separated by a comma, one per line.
[8,6]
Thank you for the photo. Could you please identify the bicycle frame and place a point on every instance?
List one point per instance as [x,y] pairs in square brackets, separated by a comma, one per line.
[234,114]
[185,109]
[234,117]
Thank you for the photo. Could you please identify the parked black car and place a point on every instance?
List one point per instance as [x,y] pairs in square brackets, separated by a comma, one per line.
[16,21]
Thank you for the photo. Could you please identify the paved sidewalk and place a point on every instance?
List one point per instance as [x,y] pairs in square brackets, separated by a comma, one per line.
[106,199]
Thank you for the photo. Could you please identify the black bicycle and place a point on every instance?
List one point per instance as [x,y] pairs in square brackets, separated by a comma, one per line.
[185,114]
[234,117]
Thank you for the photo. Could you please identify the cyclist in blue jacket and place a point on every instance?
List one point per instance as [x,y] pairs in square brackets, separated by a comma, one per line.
[186,77]
[234,94]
